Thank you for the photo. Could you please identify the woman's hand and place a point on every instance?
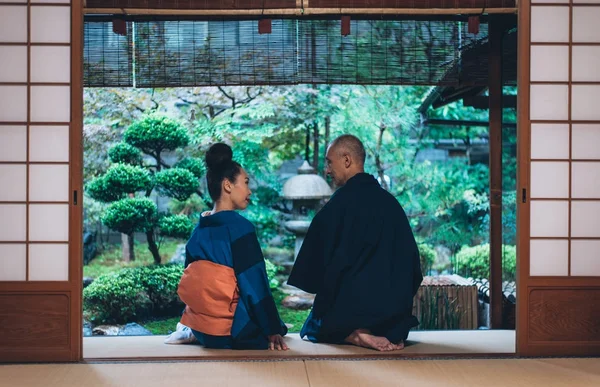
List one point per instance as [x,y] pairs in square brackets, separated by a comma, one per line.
[276,342]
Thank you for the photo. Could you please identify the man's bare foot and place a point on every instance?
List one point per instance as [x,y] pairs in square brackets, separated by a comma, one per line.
[398,346]
[364,338]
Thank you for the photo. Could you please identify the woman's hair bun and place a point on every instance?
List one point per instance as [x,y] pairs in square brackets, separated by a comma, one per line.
[218,155]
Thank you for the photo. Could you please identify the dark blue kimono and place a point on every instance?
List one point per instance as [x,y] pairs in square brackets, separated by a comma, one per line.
[229,240]
[361,259]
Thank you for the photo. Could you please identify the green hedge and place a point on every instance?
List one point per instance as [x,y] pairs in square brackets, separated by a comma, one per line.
[135,294]
[475,262]
[132,294]
[427,255]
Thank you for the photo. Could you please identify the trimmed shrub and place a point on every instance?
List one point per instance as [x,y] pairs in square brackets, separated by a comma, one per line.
[427,255]
[130,215]
[178,183]
[176,226]
[133,294]
[124,153]
[475,262]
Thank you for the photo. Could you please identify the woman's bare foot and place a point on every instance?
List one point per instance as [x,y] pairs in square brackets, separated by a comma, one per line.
[364,338]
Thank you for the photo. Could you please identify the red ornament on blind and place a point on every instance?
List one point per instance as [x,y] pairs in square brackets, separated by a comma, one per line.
[345,25]
[119,27]
[473,25]
[264,26]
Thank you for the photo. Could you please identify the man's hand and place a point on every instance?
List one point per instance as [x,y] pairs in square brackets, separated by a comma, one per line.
[276,343]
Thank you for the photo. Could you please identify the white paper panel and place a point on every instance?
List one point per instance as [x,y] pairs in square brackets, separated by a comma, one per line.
[586,138]
[549,141]
[549,102]
[13,63]
[586,63]
[48,262]
[549,63]
[585,258]
[549,219]
[49,183]
[13,24]
[13,222]
[550,180]
[50,64]
[13,143]
[13,262]
[50,24]
[13,183]
[550,24]
[585,180]
[49,222]
[549,258]
[13,103]
[50,104]
[584,102]
[586,28]
[585,219]
[49,143]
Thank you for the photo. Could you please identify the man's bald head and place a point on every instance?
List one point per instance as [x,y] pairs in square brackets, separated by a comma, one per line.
[345,158]
[351,145]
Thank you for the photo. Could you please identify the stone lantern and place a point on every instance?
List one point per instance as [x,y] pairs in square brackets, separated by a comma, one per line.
[305,191]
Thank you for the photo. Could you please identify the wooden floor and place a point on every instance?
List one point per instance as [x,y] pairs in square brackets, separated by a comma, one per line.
[421,344]
[311,373]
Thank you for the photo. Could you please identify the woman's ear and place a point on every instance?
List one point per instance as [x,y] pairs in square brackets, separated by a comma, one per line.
[227,186]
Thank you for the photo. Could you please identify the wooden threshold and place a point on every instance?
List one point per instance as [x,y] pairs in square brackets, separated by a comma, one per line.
[431,344]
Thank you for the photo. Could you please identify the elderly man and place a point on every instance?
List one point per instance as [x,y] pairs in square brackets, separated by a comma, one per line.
[360,258]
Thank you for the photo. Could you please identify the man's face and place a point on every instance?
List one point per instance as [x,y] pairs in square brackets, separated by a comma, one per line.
[335,166]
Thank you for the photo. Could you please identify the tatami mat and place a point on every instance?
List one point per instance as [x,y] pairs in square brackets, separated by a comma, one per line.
[420,344]
[316,373]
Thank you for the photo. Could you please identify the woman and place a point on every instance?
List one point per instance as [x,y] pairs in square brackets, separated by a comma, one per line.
[224,286]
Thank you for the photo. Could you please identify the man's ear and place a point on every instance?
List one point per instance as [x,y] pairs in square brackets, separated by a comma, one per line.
[347,161]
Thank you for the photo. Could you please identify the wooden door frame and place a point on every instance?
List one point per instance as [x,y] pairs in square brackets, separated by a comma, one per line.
[571,286]
[76,213]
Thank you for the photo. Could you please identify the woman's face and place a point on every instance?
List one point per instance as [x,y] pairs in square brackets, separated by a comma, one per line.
[240,191]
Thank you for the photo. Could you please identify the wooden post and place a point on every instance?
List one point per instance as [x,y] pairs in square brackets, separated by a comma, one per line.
[495,93]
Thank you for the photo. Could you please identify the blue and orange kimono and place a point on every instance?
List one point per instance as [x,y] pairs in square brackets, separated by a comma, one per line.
[225,288]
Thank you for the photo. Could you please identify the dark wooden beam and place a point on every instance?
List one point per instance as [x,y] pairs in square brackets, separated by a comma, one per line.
[282,4]
[436,121]
[495,105]
[483,102]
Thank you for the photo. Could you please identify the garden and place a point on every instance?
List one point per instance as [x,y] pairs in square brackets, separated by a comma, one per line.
[145,188]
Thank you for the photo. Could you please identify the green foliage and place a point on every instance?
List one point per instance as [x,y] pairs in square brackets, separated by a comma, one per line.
[119,180]
[266,196]
[290,316]
[176,226]
[177,183]
[109,260]
[124,153]
[155,133]
[265,221]
[427,255]
[133,293]
[130,215]
[272,271]
[194,165]
[475,262]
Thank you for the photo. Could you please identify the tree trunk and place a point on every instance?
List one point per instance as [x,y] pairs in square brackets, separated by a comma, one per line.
[378,163]
[327,135]
[125,248]
[152,246]
[316,138]
[307,149]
